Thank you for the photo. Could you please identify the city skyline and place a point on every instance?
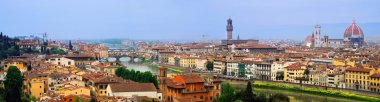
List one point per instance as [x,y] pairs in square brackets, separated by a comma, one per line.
[180,20]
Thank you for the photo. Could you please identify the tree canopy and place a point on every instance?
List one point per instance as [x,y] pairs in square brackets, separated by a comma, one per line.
[144,77]
[13,84]
[8,46]
[210,66]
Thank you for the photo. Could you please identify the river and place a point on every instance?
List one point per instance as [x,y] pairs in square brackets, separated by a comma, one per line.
[138,66]
[294,96]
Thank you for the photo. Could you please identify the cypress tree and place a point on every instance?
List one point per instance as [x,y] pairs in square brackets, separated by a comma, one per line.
[13,84]
[248,95]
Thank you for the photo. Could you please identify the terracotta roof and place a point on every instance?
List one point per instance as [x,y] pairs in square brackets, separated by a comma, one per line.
[132,87]
[191,78]
[295,66]
[353,30]
[356,69]
[375,75]
[172,84]
[253,46]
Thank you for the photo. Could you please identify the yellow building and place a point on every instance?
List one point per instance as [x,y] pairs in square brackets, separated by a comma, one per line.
[293,72]
[188,62]
[20,64]
[342,62]
[109,67]
[75,90]
[375,82]
[358,78]
[164,56]
[36,86]
[171,60]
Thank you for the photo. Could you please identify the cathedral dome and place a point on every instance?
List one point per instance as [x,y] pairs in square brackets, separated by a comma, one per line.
[308,39]
[353,31]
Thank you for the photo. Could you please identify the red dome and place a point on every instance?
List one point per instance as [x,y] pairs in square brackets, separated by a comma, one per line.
[308,38]
[353,31]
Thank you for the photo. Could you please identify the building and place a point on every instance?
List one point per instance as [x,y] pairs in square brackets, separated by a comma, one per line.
[35,85]
[164,56]
[358,78]
[109,67]
[229,41]
[74,90]
[19,63]
[192,87]
[187,62]
[60,61]
[354,36]
[293,73]
[277,70]
[133,89]
[232,68]
[253,48]
[229,28]
[220,65]
[317,40]
[98,82]
[375,82]
[336,80]
[263,70]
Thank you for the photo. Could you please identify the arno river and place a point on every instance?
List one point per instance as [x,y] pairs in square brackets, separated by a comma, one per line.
[294,96]
[136,66]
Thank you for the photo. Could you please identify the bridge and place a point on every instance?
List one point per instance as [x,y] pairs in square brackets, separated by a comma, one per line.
[122,53]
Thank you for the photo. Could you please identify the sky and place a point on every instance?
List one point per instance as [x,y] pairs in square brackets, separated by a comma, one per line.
[186,19]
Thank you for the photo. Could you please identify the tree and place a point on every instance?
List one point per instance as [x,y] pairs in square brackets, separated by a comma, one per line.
[70,46]
[144,77]
[261,97]
[210,66]
[120,72]
[278,98]
[248,95]
[225,71]
[13,84]
[227,93]
[29,67]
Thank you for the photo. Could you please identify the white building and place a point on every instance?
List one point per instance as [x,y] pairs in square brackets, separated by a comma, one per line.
[201,63]
[232,68]
[277,70]
[60,61]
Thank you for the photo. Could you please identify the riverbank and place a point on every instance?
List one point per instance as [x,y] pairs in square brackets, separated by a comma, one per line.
[170,70]
[315,91]
[258,85]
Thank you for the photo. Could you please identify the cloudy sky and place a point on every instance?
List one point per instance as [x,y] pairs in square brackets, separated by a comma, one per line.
[186,19]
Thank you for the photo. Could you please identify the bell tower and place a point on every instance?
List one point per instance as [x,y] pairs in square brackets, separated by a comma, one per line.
[229,29]
[162,76]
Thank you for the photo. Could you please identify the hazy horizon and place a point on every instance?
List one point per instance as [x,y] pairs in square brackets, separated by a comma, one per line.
[186,20]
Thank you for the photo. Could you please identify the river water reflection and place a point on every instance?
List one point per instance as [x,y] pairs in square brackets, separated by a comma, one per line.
[138,66]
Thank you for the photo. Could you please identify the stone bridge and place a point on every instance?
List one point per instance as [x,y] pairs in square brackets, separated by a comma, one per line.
[120,53]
